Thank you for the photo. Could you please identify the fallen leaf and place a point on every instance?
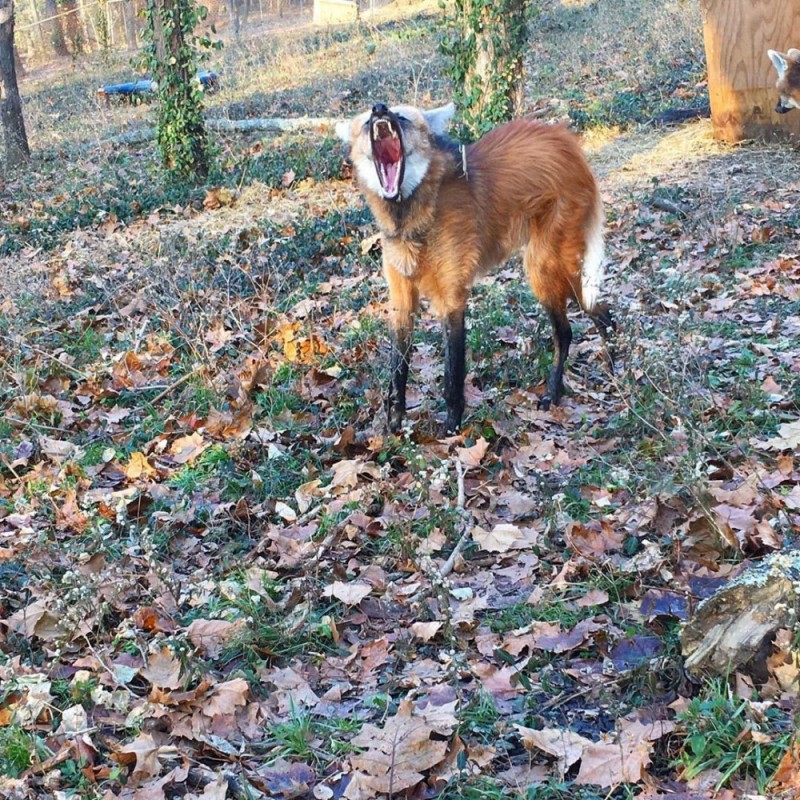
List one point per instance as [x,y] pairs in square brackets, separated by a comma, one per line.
[788,438]
[425,630]
[212,635]
[351,593]
[163,669]
[500,539]
[565,745]
[187,448]
[395,756]
[472,456]
[138,466]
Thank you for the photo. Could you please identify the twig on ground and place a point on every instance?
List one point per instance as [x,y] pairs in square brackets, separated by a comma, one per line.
[173,386]
[466,518]
[49,764]
[326,543]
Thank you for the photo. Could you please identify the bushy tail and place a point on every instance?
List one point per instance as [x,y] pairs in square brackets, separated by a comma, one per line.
[592,269]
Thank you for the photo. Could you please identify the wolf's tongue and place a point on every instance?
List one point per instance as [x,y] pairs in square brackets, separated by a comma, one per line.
[390,175]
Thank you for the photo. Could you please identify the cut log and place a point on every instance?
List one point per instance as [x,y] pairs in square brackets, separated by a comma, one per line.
[270,124]
[730,627]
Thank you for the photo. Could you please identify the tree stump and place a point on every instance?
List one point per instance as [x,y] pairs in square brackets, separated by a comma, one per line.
[729,628]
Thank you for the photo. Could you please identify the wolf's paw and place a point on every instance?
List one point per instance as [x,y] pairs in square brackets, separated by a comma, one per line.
[394,420]
[452,426]
[545,402]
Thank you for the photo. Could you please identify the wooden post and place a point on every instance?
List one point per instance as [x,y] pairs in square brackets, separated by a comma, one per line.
[741,79]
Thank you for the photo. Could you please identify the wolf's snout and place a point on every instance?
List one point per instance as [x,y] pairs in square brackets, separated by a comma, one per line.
[380,110]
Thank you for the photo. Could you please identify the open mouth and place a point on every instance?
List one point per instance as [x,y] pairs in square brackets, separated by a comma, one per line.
[387,151]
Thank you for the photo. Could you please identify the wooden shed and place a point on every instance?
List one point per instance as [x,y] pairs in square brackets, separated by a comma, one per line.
[741,79]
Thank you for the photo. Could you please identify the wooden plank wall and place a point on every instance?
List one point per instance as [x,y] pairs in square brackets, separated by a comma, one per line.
[741,78]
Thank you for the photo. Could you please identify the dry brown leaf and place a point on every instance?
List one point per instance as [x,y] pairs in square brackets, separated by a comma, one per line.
[788,438]
[472,456]
[57,450]
[594,597]
[395,756]
[226,698]
[566,746]
[425,630]
[211,635]
[306,493]
[37,620]
[163,669]
[143,753]
[500,539]
[346,473]
[350,593]
[786,781]
[187,448]
[138,466]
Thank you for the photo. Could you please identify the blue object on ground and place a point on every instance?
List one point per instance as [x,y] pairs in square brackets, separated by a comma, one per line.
[208,79]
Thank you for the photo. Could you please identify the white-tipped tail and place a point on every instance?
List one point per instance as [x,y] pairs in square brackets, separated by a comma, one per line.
[593,260]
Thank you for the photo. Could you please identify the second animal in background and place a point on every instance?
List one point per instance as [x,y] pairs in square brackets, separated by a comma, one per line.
[788,84]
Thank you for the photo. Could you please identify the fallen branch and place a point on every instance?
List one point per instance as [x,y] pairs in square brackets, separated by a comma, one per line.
[269,124]
[671,207]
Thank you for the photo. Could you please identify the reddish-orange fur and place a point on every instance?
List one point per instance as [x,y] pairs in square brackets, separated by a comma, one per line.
[788,84]
[524,186]
[527,185]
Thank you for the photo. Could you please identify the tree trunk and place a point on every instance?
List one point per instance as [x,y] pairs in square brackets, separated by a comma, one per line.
[72,26]
[129,23]
[487,46]
[233,13]
[40,30]
[18,65]
[181,130]
[57,38]
[16,140]
[495,83]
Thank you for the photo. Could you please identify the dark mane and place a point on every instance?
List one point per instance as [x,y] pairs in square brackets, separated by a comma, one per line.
[452,148]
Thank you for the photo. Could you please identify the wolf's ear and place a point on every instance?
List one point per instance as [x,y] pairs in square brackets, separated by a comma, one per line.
[439,118]
[793,54]
[343,131]
[778,61]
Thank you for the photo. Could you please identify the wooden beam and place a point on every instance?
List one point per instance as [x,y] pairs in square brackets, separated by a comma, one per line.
[741,79]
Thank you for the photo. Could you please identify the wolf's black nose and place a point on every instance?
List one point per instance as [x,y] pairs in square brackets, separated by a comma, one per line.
[379,110]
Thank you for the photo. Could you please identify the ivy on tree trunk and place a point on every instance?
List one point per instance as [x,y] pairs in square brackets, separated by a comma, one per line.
[172,57]
[15,137]
[486,43]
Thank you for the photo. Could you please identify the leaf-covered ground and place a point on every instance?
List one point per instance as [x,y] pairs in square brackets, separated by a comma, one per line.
[219,577]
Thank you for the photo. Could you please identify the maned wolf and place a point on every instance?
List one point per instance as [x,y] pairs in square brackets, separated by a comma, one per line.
[450,213]
[788,85]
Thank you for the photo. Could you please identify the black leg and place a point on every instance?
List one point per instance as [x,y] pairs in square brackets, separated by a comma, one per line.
[396,396]
[601,316]
[562,338]
[455,369]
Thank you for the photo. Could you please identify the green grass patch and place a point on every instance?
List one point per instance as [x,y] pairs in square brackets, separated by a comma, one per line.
[718,725]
